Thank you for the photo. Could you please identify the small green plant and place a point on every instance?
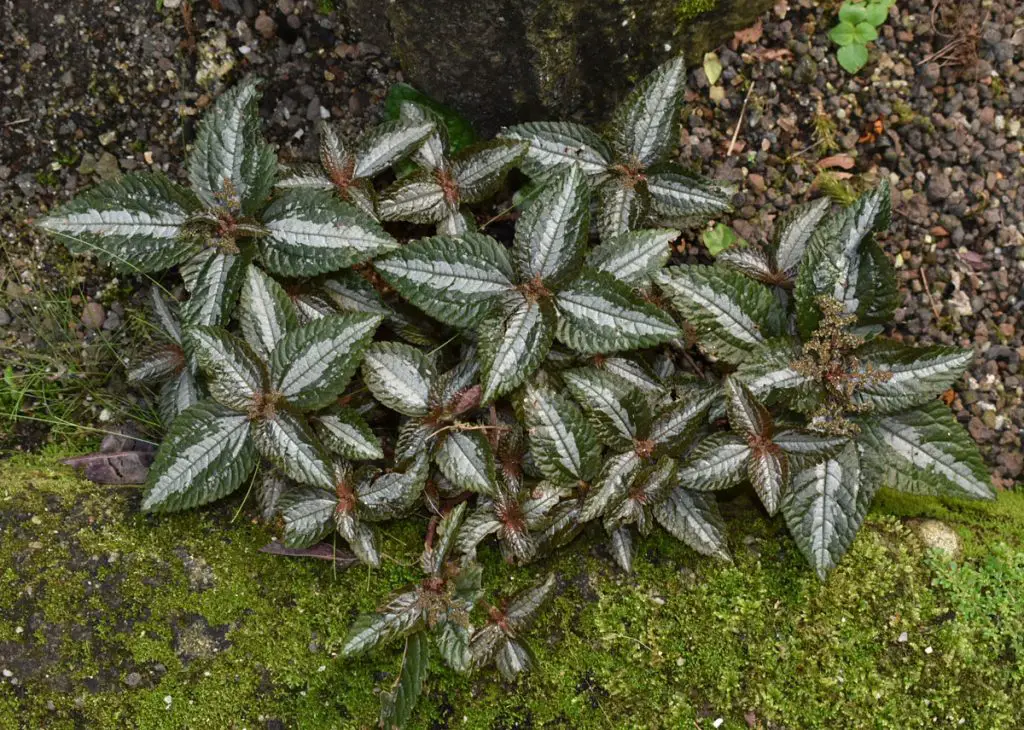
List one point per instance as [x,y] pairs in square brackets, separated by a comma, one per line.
[719,238]
[545,385]
[858,25]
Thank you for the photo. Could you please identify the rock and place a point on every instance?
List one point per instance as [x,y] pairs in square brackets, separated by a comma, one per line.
[806,70]
[93,315]
[939,188]
[5,317]
[936,535]
[265,25]
[107,168]
[930,74]
[172,4]
[134,679]
[504,61]
[756,182]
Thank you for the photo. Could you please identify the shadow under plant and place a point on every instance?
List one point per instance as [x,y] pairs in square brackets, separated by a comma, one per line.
[111,618]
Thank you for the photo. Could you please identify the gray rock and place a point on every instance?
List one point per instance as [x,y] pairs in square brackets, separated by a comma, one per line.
[107,168]
[134,679]
[501,61]
[93,315]
[936,535]
[939,188]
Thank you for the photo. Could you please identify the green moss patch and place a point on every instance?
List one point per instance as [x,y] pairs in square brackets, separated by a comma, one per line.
[109,618]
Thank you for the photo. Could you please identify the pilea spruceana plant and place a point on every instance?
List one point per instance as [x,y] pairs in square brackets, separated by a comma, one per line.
[540,384]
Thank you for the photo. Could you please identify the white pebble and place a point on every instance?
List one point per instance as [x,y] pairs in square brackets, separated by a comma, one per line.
[928,650]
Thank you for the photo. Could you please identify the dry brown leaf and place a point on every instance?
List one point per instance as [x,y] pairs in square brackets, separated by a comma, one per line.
[844,162]
[750,35]
[773,54]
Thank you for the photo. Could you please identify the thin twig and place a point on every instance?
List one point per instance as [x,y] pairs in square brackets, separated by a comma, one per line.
[16,122]
[928,292]
[739,122]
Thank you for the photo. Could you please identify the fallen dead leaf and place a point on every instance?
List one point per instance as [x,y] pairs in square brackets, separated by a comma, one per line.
[322,551]
[750,35]
[844,162]
[772,54]
[781,8]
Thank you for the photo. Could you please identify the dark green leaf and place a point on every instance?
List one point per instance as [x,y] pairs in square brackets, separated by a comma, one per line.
[635,256]
[622,205]
[917,374]
[214,291]
[925,451]
[514,340]
[513,659]
[622,549]
[418,198]
[350,292]
[361,538]
[644,125]
[769,373]
[619,412]
[231,165]
[177,395]
[434,557]
[555,145]
[207,454]
[234,373]
[465,458]
[393,493]
[133,223]
[478,526]
[793,231]
[458,130]
[285,439]
[732,314]
[693,518]
[804,448]
[718,462]
[562,443]
[747,416]
[346,433]
[402,616]
[453,644]
[399,376]
[676,195]
[522,609]
[749,261]
[599,314]
[386,144]
[611,486]
[552,232]
[312,364]
[768,471]
[675,427]
[308,515]
[314,233]
[479,170]
[454,280]
[265,311]
[877,293]
[396,706]
[825,506]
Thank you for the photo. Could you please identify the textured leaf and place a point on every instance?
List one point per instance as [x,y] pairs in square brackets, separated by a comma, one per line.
[305,177]
[925,451]
[397,705]
[177,395]
[207,454]
[731,313]
[159,365]
[552,232]
[234,374]
[132,223]
[746,414]
[831,264]
[465,458]
[214,291]
[619,412]
[308,515]
[434,557]
[768,471]
[418,198]
[769,373]
[634,372]
[285,439]
[677,195]
[513,659]
[514,340]
[644,125]
[718,462]
[749,261]
[346,433]
[622,549]
[522,609]
[612,485]
[268,494]
[562,443]
[824,508]
[433,153]
[478,526]
[479,170]
[403,615]
[877,292]
[313,364]
[361,538]
[399,376]
[693,518]
[599,314]
[386,144]
[454,390]
[675,427]
[623,205]
[918,374]
[393,493]
[314,233]
[804,448]
[230,164]
[456,221]
[793,231]
[453,645]
[168,318]
[555,145]
[453,280]
[634,257]
[265,311]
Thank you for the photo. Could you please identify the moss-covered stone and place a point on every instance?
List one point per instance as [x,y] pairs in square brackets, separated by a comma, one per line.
[505,61]
[109,618]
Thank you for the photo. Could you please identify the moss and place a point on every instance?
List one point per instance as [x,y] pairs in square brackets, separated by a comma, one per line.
[122,620]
